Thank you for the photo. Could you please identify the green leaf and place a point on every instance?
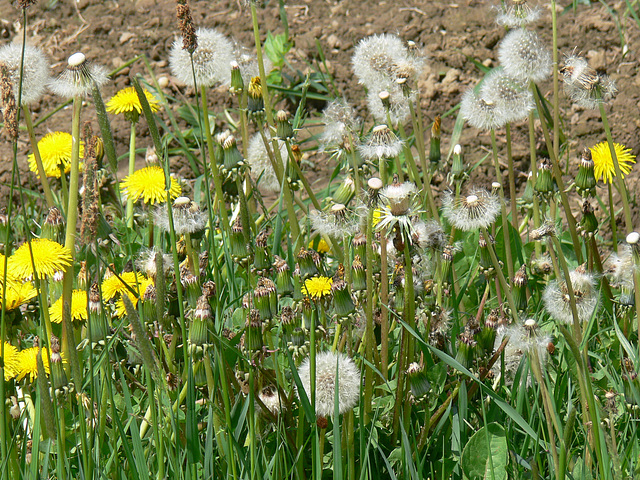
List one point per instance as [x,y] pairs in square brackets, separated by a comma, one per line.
[485,456]
[276,46]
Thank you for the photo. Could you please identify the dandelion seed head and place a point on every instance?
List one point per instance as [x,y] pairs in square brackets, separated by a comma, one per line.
[511,97]
[584,86]
[557,301]
[79,78]
[36,73]
[211,60]
[328,364]
[477,210]
[260,166]
[516,13]
[481,113]
[382,143]
[398,105]
[524,56]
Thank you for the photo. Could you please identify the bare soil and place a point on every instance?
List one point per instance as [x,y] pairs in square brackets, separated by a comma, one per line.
[450,33]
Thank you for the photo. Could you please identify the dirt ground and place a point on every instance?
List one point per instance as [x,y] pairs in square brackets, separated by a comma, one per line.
[450,33]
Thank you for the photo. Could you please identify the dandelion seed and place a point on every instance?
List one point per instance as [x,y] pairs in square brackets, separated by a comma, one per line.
[55,151]
[394,102]
[79,78]
[477,210]
[187,217]
[603,167]
[49,258]
[247,62]
[149,184]
[341,127]
[126,101]
[382,143]
[584,86]
[524,56]
[35,73]
[211,59]
[328,364]
[557,301]
[78,308]
[270,398]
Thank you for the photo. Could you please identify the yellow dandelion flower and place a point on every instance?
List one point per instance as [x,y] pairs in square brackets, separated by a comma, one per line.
[55,151]
[148,184]
[10,361]
[126,101]
[11,277]
[78,307]
[49,258]
[18,293]
[318,287]
[28,364]
[121,310]
[112,286]
[603,167]
[323,246]
[377,216]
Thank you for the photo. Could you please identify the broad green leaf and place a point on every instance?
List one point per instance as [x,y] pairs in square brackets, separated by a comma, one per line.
[485,456]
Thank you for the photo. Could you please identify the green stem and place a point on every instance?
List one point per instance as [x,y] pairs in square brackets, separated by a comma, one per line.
[502,280]
[369,336]
[512,181]
[36,153]
[132,168]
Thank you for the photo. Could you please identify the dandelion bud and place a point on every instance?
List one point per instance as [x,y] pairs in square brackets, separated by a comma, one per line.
[520,282]
[588,223]
[308,267]
[359,244]
[358,274]
[237,245]
[232,156]
[284,282]
[262,260]
[466,349]
[255,105]
[342,301]
[586,179]
[457,164]
[418,381]
[434,149]
[345,192]
[284,130]
[486,263]
[545,183]
[53,225]
[237,84]
[253,332]
[58,375]
[199,337]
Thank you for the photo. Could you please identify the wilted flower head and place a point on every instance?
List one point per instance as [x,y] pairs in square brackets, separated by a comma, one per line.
[211,59]
[429,235]
[524,56]
[479,209]
[516,13]
[328,364]
[557,301]
[586,87]
[260,165]
[382,143]
[35,75]
[79,77]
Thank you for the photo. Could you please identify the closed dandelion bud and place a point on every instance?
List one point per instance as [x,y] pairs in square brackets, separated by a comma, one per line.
[589,223]
[149,300]
[342,301]
[486,264]
[94,298]
[586,179]
[232,156]
[526,201]
[487,335]
[199,332]
[253,332]
[203,263]
[58,375]
[359,244]
[237,84]
[284,130]
[398,286]
[446,263]
[53,225]
[374,185]
[189,282]
[434,149]
[288,321]
[308,267]
[466,349]
[284,282]
[262,260]
[520,282]
[457,164]
[358,275]
[238,246]
[418,381]
[262,302]
[345,192]
[255,102]
[82,276]
[544,182]
[272,294]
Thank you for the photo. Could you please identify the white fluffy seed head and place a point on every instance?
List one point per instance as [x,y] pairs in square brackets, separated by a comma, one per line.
[516,13]
[349,380]
[511,97]
[211,60]
[374,59]
[524,56]
[481,113]
[260,166]
[477,210]
[79,78]
[382,143]
[398,105]
[36,73]
[557,300]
